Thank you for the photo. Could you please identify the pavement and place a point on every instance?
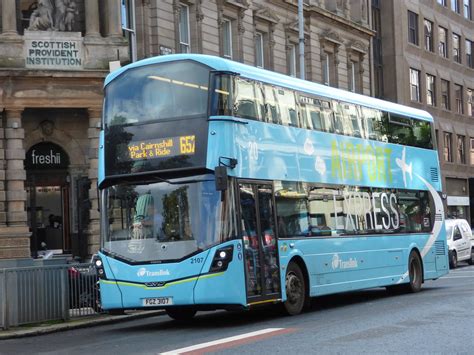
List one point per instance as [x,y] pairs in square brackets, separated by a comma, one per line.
[74,323]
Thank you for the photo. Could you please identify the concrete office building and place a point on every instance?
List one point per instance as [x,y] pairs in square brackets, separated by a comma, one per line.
[54,55]
[424,59]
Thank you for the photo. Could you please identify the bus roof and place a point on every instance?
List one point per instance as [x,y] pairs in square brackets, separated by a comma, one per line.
[247,71]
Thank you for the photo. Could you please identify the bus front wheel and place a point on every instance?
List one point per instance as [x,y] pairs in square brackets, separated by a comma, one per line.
[295,290]
[182,313]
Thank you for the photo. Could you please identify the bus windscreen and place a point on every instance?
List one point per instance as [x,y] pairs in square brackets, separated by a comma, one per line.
[157,92]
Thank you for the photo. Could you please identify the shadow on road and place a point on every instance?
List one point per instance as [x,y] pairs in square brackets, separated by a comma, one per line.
[226,319]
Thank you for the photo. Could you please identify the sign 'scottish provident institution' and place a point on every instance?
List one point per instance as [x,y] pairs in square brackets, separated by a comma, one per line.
[53,51]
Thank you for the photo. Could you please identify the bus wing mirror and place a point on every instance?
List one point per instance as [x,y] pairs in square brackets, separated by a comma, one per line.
[221,178]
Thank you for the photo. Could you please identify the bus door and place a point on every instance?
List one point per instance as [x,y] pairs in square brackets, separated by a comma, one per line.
[257,215]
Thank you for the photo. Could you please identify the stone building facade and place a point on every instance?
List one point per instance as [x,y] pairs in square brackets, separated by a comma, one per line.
[265,33]
[425,60]
[54,56]
[51,75]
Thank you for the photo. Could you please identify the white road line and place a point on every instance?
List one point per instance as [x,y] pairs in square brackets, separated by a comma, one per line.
[222,341]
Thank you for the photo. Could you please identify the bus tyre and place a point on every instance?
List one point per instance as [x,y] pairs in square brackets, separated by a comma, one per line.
[182,313]
[295,285]
[453,260]
[415,273]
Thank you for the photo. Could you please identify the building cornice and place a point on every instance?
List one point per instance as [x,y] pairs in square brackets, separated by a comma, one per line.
[341,20]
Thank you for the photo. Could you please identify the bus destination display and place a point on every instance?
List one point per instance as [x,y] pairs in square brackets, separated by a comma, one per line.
[162,147]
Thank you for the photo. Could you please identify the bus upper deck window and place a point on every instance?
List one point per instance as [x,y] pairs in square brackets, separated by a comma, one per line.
[401,130]
[271,108]
[287,102]
[248,99]
[422,133]
[338,118]
[222,97]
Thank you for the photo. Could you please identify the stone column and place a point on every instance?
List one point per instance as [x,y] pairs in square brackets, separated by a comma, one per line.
[14,236]
[9,18]
[3,164]
[92,18]
[93,135]
[114,25]
[15,174]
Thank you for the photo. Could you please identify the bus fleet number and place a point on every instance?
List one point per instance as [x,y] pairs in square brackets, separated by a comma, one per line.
[197,260]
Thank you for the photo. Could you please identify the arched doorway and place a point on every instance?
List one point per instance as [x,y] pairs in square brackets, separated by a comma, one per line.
[46,166]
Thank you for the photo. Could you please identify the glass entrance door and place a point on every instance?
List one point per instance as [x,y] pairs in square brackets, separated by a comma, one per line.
[260,246]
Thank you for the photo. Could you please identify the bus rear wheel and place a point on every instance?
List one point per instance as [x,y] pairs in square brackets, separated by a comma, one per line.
[415,273]
[295,285]
[182,313]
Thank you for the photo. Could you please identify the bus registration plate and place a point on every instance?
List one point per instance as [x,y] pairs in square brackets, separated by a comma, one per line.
[157,301]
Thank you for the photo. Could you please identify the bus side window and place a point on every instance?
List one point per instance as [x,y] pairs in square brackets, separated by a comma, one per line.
[352,120]
[316,121]
[375,124]
[247,104]
[338,118]
[422,133]
[287,102]
[221,98]
[326,115]
[401,130]
[323,209]
[271,109]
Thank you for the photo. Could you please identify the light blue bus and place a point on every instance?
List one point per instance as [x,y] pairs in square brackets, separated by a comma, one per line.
[226,186]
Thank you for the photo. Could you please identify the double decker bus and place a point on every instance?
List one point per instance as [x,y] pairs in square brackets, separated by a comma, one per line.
[227,186]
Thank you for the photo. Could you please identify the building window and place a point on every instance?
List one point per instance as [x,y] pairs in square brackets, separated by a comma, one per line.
[469,58]
[470,102]
[461,150]
[414,85]
[467,9]
[443,45]
[443,2]
[292,60]
[428,35]
[471,150]
[412,27]
[326,69]
[184,36]
[448,155]
[227,38]
[455,6]
[430,90]
[456,48]
[354,77]
[445,102]
[259,53]
[458,96]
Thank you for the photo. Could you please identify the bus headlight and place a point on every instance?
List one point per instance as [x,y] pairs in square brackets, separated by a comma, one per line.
[222,258]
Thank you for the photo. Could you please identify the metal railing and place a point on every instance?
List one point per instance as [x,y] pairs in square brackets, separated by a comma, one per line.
[45,293]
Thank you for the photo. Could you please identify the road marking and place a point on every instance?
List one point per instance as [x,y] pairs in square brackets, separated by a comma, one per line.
[230,341]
